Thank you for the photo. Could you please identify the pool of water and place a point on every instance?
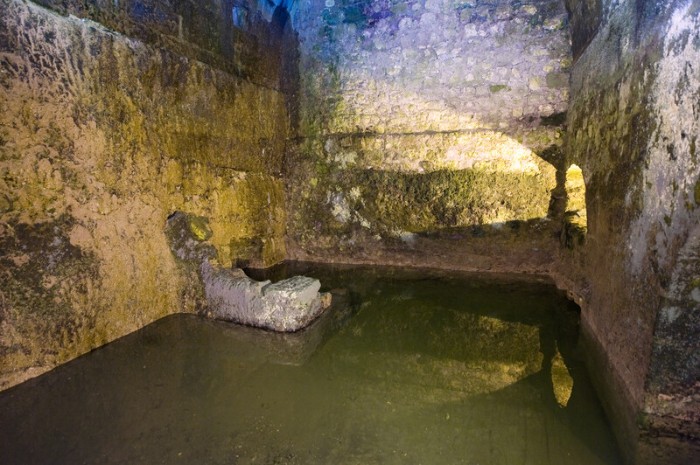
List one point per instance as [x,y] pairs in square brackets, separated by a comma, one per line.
[405,368]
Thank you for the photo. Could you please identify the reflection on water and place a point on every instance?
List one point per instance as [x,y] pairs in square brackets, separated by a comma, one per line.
[562,382]
[404,369]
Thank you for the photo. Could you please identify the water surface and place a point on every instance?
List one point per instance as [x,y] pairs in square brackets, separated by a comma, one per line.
[406,368]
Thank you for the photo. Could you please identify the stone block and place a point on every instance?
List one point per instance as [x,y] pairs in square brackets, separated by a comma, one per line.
[287,306]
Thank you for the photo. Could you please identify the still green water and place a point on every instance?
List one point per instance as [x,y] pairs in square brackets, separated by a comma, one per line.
[405,368]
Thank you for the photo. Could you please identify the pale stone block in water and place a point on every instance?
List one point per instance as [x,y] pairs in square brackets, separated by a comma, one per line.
[288,305]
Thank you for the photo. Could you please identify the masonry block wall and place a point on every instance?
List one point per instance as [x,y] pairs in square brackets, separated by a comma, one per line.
[103,135]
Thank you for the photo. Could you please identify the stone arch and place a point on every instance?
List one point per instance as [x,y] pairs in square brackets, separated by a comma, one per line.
[575,217]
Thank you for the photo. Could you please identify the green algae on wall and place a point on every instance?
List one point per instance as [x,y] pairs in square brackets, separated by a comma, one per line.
[102,138]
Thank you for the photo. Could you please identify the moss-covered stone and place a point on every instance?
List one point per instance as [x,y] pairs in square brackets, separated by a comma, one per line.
[388,204]
[406,130]
[102,141]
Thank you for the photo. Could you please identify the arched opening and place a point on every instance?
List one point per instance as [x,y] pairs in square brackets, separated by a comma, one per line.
[239,15]
[575,219]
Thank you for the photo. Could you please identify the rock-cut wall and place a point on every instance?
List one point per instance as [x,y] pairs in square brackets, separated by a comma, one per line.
[420,116]
[634,129]
[102,137]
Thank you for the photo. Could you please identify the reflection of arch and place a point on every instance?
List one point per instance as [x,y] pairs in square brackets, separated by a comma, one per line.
[575,219]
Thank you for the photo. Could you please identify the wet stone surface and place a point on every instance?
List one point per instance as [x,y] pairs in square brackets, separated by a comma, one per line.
[404,368]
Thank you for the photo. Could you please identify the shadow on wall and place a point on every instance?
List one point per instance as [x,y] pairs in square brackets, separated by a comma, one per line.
[425,116]
[479,198]
[519,347]
[514,377]
[575,224]
[279,41]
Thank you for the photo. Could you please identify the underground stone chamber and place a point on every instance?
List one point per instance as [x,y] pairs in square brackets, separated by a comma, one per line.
[544,139]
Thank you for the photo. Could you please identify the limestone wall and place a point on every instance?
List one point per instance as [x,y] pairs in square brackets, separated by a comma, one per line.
[102,136]
[417,116]
[634,122]
[205,30]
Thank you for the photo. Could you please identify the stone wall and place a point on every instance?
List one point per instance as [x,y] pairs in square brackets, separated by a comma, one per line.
[204,30]
[421,116]
[634,122]
[102,136]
